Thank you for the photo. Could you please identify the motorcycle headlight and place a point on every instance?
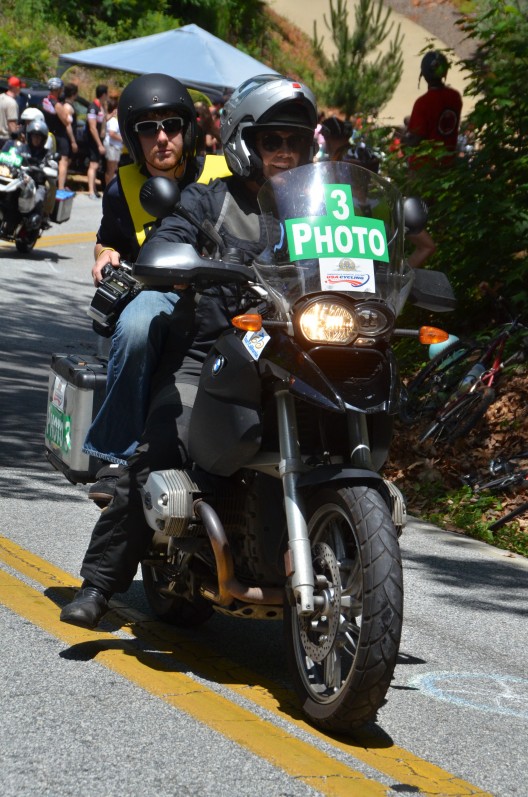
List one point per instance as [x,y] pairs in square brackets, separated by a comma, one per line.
[328,322]
[372,320]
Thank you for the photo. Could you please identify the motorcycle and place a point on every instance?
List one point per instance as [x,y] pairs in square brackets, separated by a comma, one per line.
[285,514]
[18,196]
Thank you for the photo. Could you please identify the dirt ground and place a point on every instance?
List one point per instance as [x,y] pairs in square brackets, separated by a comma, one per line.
[503,430]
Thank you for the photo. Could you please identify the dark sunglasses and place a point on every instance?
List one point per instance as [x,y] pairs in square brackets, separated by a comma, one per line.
[150,127]
[271,142]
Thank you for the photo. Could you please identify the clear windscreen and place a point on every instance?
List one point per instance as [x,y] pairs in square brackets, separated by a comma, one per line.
[332,226]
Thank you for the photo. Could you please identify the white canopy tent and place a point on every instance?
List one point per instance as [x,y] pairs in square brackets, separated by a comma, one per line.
[200,60]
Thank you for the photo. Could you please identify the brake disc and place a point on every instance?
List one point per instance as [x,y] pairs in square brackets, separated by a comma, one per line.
[318,632]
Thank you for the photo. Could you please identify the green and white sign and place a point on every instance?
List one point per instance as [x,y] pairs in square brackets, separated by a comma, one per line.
[58,428]
[338,234]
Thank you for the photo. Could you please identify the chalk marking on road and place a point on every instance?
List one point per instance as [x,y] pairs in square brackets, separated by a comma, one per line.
[395,762]
[476,690]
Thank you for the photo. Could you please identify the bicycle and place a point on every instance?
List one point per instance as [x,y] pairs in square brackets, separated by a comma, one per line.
[459,384]
[508,474]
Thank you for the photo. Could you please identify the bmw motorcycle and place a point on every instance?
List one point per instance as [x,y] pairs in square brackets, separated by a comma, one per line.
[286,514]
[18,196]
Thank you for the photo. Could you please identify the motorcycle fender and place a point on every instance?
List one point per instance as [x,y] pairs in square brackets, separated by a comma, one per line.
[284,359]
[226,424]
[325,474]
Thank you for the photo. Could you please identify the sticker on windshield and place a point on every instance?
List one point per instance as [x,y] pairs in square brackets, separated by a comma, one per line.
[347,274]
[339,233]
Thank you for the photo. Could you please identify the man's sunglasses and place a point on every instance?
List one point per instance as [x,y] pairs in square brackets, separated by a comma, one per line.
[271,142]
[150,127]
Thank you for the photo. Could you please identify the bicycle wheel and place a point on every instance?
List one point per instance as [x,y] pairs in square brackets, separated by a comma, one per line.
[433,385]
[460,417]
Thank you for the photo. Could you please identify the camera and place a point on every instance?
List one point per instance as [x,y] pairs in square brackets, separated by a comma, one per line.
[117,289]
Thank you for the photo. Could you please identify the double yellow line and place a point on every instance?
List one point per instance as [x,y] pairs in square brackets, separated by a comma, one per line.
[161,675]
[49,241]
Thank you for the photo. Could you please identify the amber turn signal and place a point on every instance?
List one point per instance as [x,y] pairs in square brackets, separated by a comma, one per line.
[250,322]
[430,335]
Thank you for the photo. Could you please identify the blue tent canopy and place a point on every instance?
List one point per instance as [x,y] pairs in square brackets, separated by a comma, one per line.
[192,55]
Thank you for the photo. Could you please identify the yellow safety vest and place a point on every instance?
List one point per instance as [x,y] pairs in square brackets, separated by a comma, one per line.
[132,179]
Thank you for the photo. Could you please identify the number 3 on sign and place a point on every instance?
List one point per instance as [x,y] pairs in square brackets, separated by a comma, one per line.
[339,203]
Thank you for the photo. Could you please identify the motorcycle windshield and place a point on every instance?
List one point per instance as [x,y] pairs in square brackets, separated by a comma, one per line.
[332,226]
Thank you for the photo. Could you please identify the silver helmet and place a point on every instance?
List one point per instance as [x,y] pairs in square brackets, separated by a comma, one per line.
[263,101]
[30,114]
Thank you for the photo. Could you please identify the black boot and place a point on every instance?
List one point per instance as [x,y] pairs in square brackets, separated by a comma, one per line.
[87,608]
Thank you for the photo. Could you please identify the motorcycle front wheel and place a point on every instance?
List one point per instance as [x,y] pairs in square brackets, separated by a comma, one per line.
[27,241]
[343,657]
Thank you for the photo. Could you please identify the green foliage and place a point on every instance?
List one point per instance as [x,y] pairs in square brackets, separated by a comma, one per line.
[357,81]
[474,514]
[479,206]
[24,33]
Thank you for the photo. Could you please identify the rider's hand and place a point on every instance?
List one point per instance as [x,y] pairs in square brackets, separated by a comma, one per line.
[107,256]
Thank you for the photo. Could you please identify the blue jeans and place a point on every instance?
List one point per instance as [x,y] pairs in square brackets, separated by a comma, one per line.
[135,353]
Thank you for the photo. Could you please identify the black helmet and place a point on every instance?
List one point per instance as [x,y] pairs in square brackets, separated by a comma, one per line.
[38,126]
[434,66]
[263,101]
[336,127]
[155,92]
[362,155]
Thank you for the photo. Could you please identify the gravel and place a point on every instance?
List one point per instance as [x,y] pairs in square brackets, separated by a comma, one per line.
[437,16]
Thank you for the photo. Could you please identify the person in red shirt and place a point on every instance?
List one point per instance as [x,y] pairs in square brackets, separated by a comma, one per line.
[436,114]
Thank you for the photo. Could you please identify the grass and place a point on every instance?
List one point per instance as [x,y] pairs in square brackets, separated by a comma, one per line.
[462,510]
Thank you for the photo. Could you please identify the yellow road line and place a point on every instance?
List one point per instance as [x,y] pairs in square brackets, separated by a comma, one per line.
[271,743]
[65,238]
[48,241]
[375,751]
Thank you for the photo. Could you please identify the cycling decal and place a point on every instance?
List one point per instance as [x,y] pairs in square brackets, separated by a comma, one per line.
[346,274]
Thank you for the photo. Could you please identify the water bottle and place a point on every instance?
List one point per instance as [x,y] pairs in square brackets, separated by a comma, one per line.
[471,377]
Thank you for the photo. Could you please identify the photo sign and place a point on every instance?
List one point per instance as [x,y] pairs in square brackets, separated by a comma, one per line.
[338,234]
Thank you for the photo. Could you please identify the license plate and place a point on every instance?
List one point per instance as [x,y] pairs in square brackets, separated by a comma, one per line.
[58,428]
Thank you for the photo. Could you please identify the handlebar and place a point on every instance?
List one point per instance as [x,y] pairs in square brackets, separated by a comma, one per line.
[163,264]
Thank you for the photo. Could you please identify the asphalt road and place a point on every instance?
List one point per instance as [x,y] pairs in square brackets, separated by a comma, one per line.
[140,709]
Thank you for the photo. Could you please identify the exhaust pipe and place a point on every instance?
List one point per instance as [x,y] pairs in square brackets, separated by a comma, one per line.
[229,588]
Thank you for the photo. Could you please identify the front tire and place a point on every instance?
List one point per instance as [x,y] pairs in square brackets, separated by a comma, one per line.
[343,657]
[27,241]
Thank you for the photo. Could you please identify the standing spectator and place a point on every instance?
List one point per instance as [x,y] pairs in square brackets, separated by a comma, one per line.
[436,114]
[112,141]
[94,134]
[70,95]
[59,124]
[9,110]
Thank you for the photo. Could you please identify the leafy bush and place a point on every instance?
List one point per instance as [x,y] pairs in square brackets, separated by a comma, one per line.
[479,207]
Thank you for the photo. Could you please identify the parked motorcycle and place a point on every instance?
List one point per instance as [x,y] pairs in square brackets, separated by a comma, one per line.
[285,514]
[18,196]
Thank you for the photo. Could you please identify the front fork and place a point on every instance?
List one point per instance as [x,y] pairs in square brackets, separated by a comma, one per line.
[291,466]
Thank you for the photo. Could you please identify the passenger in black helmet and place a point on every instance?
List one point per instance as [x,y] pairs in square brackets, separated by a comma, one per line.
[44,171]
[267,127]
[158,124]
